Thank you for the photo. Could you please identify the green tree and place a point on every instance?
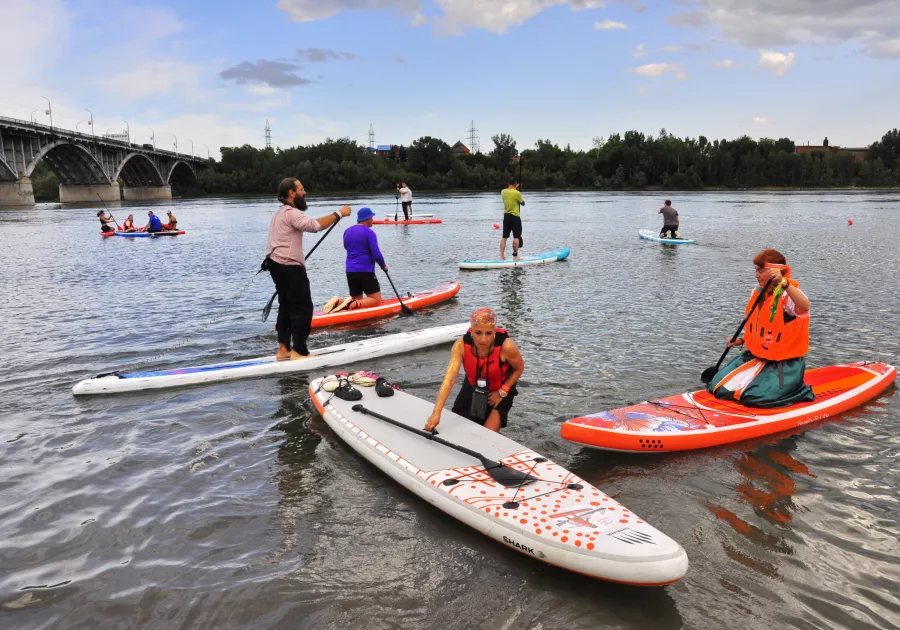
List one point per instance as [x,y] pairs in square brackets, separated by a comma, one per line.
[504,151]
[429,155]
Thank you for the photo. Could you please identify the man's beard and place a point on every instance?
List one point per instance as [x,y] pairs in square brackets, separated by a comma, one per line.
[300,203]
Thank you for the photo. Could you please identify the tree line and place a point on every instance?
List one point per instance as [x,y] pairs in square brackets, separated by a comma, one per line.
[629,161]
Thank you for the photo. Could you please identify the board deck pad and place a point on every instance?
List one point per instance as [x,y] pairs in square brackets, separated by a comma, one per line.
[558,518]
[699,419]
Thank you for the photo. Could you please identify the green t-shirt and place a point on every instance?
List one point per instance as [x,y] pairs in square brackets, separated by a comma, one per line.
[512,199]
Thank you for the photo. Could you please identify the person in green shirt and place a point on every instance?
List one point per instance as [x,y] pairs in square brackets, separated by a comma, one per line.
[512,221]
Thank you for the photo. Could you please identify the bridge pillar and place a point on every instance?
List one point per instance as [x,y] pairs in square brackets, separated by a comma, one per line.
[88,193]
[18,193]
[147,193]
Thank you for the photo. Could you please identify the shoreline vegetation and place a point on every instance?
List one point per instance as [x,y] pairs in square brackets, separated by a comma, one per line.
[629,162]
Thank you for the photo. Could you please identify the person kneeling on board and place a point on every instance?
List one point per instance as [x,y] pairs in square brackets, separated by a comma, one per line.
[670,221]
[492,363]
[128,226]
[173,222]
[361,244]
[104,222]
[153,224]
[769,372]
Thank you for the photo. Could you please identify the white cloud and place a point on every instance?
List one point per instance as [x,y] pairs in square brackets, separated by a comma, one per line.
[155,78]
[659,69]
[760,120]
[419,20]
[776,62]
[258,89]
[312,10]
[644,91]
[768,23]
[725,63]
[610,25]
[639,51]
[35,34]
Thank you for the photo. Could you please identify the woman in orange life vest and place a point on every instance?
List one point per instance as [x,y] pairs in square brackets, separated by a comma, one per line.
[128,225]
[492,364]
[769,372]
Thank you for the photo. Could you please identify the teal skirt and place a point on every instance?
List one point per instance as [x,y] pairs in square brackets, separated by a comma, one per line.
[778,384]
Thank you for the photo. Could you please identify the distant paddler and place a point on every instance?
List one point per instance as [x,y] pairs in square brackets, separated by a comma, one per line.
[363,253]
[670,220]
[492,364]
[104,222]
[287,265]
[128,224]
[769,372]
[512,220]
[173,222]
[153,223]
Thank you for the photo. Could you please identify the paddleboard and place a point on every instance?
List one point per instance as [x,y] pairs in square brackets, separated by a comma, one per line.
[339,355]
[389,306]
[537,259]
[697,419]
[558,518]
[404,222]
[143,234]
[650,235]
[417,215]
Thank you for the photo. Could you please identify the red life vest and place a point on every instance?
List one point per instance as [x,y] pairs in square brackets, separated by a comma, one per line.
[784,337]
[492,369]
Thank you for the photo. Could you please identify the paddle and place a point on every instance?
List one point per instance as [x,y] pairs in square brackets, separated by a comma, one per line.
[406,310]
[501,473]
[268,307]
[397,205]
[110,213]
[710,372]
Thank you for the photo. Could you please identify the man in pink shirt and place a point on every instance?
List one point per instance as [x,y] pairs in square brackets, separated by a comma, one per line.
[287,265]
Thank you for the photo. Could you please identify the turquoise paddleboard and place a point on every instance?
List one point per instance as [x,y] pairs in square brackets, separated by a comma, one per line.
[650,235]
[544,257]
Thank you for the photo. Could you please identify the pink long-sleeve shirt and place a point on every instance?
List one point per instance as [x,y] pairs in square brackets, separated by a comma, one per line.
[285,244]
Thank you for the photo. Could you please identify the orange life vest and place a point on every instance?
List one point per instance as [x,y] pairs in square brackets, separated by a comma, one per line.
[775,336]
[492,369]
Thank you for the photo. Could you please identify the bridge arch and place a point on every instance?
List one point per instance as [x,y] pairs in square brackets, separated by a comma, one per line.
[7,174]
[139,170]
[181,175]
[72,163]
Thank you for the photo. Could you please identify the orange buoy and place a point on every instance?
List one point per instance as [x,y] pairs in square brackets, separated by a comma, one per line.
[849,221]
[496,227]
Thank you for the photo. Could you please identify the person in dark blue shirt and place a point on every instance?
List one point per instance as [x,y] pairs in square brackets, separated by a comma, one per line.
[154,224]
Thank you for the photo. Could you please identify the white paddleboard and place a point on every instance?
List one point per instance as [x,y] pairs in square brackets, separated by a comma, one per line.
[343,354]
[390,215]
[559,518]
[650,235]
[537,259]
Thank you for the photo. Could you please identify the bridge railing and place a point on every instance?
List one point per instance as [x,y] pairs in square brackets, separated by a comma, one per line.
[93,138]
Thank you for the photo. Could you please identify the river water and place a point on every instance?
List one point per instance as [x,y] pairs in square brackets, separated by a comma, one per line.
[234,506]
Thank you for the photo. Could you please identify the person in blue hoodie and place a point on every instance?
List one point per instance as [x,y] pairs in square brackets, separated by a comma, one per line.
[154,224]
[361,244]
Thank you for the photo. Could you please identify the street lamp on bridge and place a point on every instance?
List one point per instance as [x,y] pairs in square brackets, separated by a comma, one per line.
[192,147]
[207,151]
[127,131]
[32,115]
[176,142]
[152,137]
[91,123]
[49,111]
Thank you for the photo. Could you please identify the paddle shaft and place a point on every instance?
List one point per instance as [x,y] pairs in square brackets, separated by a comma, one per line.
[403,306]
[737,333]
[110,213]
[427,435]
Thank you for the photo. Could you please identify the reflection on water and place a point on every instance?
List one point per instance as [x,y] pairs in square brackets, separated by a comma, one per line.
[234,505]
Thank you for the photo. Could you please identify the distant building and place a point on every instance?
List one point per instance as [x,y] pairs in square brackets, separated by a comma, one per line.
[459,149]
[859,154]
[387,151]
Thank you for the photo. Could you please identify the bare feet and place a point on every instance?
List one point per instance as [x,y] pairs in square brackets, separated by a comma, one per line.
[283,353]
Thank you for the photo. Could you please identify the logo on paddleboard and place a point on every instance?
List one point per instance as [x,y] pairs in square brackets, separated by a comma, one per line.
[586,517]
[632,537]
[534,552]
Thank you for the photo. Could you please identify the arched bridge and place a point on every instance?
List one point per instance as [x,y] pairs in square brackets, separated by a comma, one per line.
[87,165]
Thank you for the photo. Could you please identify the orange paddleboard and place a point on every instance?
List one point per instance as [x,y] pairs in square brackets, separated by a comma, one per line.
[387,307]
[698,419]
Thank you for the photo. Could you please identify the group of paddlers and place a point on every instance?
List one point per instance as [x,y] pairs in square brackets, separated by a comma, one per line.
[154,224]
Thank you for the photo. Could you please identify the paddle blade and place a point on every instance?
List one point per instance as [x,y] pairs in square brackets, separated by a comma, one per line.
[506,476]
[708,374]
[268,307]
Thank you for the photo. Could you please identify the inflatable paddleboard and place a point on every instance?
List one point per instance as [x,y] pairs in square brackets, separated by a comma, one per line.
[650,235]
[143,234]
[537,259]
[698,419]
[389,306]
[556,518]
[412,216]
[343,354]
[404,222]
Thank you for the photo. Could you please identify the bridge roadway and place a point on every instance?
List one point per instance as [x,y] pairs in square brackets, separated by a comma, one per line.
[87,165]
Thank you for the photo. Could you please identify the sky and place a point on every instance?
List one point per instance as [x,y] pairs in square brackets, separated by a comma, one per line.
[211,73]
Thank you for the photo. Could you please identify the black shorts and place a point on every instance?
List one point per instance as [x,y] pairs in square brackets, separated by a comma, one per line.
[671,229]
[406,205]
[512,223]
[463,404]
[360,282]
[106,228]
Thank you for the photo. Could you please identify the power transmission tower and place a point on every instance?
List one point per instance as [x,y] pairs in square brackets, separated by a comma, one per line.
[371,137]
[473,139]
[268,135]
